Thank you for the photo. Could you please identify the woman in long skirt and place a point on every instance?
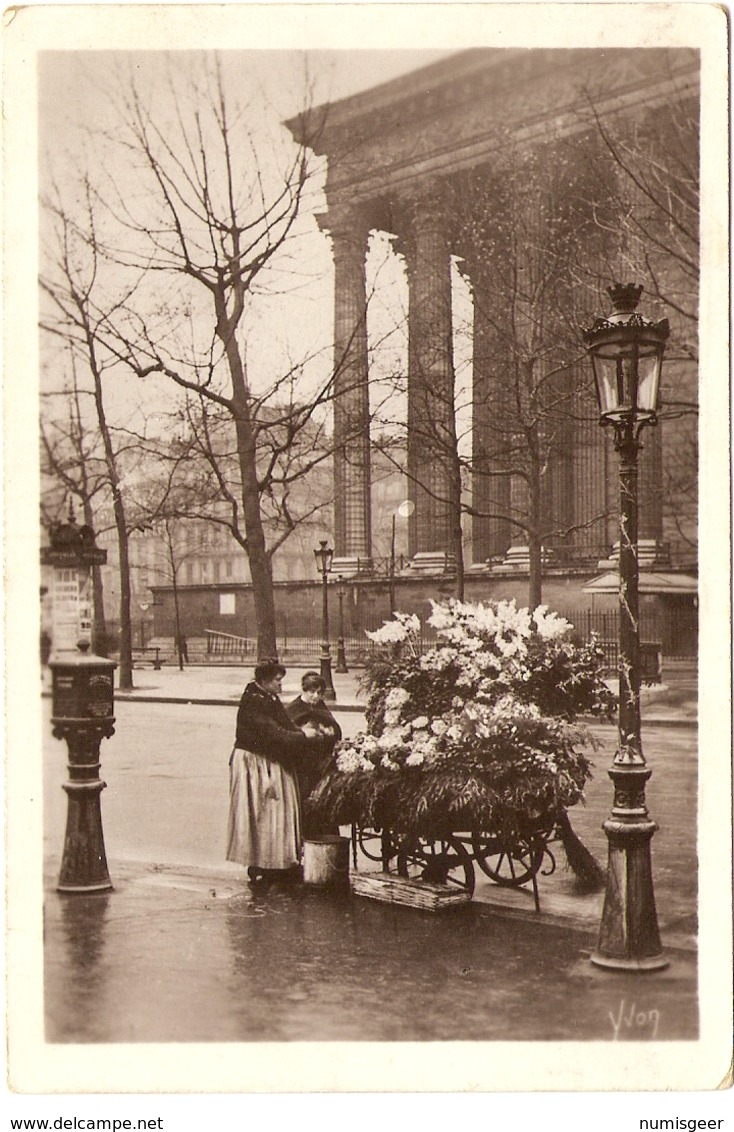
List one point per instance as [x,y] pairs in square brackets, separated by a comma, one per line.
[264,828]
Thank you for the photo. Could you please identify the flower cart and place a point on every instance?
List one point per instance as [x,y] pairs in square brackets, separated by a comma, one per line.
[509,858]
[473,752]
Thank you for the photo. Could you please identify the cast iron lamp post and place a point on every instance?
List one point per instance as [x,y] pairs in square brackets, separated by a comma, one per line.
[324,556]
[405,510]
[341,655]
[145,606]
[627,353]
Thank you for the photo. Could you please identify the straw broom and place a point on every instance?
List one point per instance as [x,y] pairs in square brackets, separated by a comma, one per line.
[590,874]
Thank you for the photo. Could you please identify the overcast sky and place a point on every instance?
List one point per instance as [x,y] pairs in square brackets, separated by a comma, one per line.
[71,82]
[75,92]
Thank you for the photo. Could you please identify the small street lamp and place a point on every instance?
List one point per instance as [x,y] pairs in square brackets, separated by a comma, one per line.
[405,510]
[341,656]
[627,353]
[144,607]
[392,565]
[324,556]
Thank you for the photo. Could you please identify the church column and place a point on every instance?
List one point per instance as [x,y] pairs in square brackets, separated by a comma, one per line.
[431,424]
[652,551]
[595,502]
[491,531]
[352,504]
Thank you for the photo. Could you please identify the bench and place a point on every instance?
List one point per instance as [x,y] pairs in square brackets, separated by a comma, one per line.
[140,656]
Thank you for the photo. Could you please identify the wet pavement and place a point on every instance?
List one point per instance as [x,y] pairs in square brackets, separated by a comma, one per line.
[182,950]
[191,956]
[167,797]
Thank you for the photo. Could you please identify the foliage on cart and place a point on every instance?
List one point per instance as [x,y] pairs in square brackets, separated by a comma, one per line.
[479,732]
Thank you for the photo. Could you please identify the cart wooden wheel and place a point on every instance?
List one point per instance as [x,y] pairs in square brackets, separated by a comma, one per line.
[370,842]
[443,860]
[510,865]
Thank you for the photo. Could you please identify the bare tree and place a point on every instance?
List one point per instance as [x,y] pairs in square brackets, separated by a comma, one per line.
[651,175]
[210,228]
[77,313]
[652,200]
[293,446]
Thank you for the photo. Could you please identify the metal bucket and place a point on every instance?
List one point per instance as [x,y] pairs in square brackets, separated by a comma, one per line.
[326,861]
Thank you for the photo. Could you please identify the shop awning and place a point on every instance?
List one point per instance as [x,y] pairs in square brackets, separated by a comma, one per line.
[650,582]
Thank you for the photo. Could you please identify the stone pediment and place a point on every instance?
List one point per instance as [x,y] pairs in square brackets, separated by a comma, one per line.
[455,113]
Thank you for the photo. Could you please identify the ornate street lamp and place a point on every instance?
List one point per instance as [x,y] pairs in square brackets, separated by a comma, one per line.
[627,353]
[341,655]
[324,557]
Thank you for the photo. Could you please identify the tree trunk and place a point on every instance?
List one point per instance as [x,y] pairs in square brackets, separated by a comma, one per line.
[535,582]
[126,651]
[177,616]
[535,542]
[259,559]
[126,639]
[457,534]
[260,568]
[99,623]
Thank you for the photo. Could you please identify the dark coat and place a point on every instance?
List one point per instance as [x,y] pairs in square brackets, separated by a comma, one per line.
[309,772]
[265,727]
[317,714]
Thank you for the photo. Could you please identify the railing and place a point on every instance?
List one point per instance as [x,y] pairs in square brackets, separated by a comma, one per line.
[297,639]
[227,645]
[298,636]
[382,567]
[604,626]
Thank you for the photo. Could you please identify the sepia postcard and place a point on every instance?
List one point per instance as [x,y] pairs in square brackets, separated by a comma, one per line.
[361,750]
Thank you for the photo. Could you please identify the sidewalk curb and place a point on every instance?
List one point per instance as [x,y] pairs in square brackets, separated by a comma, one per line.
[131,871]
[219,701]
[670,722]
[209,701]
[675,942]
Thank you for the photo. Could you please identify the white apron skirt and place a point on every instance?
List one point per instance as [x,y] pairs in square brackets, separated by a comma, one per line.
[264,828]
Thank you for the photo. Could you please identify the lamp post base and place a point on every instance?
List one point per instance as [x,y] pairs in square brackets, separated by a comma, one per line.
[654,963]
[629,939]
[84,861]
[325,668]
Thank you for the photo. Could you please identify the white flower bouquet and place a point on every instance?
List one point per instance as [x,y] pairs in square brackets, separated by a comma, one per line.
[479,731]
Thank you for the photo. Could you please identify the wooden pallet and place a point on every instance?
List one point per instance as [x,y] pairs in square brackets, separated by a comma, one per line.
[393,889]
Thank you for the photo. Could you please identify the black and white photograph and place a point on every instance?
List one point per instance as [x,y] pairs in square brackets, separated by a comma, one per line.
[366,407]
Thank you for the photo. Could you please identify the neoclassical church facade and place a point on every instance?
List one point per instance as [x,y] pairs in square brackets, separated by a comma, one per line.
[422,158]
[497,163]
